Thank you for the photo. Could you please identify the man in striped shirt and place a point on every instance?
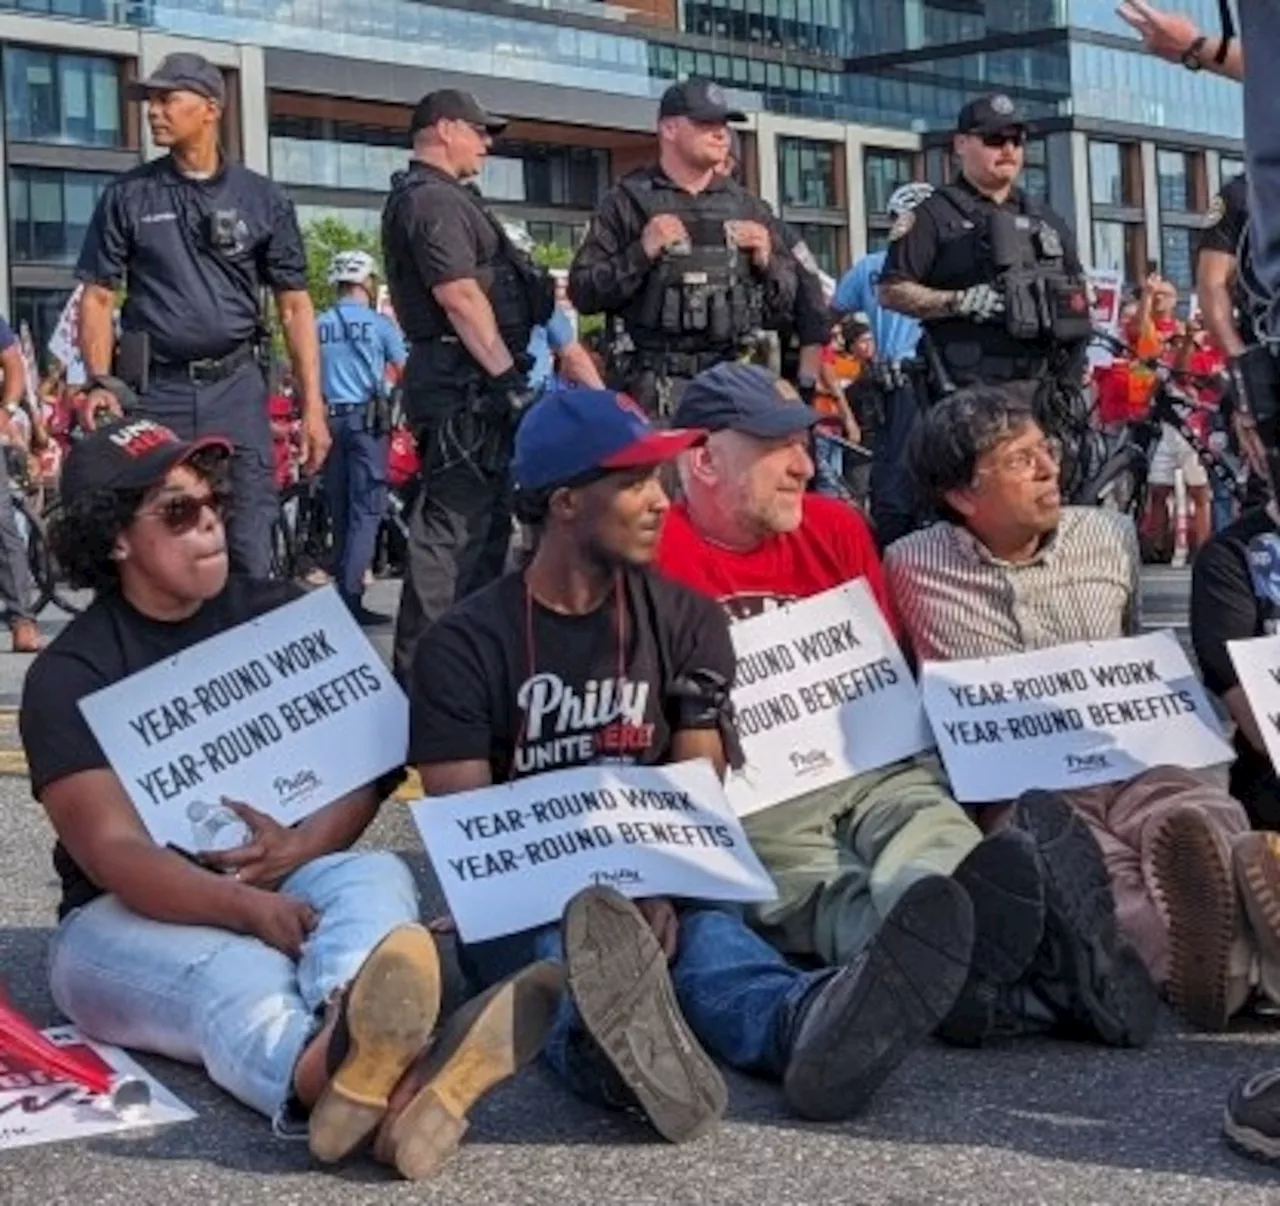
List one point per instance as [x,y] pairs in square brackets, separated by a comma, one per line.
[1009,569]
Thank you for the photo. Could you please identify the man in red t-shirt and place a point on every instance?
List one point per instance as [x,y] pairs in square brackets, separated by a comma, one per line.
[748,535]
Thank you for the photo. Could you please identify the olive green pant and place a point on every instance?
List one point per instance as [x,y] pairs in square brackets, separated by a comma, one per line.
[843,855]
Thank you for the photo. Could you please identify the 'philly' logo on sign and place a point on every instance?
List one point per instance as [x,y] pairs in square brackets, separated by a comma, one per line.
[290,789]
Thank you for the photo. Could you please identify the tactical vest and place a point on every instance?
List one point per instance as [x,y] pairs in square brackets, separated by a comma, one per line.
[522,294]
[700,297]
[1021,254]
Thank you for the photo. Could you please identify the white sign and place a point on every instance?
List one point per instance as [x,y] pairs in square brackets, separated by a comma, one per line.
[1257,662]
[1106,295]
[286,713]
[64,343]
[1074,716]
[511,857]
[36,1107]
[822,693]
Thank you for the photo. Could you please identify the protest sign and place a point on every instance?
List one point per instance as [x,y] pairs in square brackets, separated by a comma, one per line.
[1106,293]
[64,343]
[287,713]
[1073,716]
[511,857]
[37,1107]
[822,693]
[1257,662]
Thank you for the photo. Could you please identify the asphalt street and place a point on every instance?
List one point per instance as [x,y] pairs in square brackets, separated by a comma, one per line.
[1034,1121]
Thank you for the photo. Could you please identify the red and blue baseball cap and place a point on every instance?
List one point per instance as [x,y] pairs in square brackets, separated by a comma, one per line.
[570,434]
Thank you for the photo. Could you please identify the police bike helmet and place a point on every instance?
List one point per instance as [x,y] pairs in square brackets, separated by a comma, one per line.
[906,197]
[351,268]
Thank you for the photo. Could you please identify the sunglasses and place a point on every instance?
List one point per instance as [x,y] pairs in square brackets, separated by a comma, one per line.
[1005,138]
[181,513]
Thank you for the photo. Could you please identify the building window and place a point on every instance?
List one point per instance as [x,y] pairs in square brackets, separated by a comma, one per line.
[40,309]
[49,212]
[1229,168]
[1035,173]
[1176,256]
[1106,173]
[1173,171]
[829,244]
[882,173]
[61,98]
[1110,246]
[807,173]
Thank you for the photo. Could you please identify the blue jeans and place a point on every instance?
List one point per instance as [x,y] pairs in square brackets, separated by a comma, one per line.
[225,1001]
[355,483]
[739,995]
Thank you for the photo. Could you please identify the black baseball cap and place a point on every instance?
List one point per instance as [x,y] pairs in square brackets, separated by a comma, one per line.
[128,454]
[698,100]
[746,398]
[452,104]
[990,115]
[183,73]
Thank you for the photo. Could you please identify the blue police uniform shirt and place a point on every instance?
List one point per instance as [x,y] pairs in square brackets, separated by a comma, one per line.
[896,334]
[356,345]
[556,335]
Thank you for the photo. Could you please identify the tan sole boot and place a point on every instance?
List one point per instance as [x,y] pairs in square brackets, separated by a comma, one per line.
[389,1013]
[486,1042]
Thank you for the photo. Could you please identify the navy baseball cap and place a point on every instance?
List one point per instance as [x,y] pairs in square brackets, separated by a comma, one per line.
[128,454]
[571,433]
[453,104]
[746,398]
[990,115]
[698,100]
[182,72]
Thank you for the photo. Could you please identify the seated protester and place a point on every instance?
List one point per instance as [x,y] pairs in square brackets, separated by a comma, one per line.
[1010,569]
[586,656]
[291,967]
[1235,595]
[748,536]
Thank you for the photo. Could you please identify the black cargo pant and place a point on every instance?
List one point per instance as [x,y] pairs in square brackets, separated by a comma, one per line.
[893,495]
[235,408]
[460,527]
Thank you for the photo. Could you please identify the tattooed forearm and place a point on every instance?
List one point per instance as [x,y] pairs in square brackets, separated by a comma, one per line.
[916,300]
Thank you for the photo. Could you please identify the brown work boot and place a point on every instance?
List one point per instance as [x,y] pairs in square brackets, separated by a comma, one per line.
[26,636]
[486,1042]
[387,1016]
[1194,883]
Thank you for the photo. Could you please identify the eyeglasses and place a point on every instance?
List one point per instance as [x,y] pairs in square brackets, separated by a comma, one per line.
[1023,462]
[1005,138]
[180,513]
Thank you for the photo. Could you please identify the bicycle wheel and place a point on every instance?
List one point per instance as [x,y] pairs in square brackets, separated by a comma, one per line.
[45,573]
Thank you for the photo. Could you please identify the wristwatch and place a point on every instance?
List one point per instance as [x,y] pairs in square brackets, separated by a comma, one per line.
[1191,56]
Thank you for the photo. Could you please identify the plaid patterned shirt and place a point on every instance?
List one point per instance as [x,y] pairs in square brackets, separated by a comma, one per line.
[957,601]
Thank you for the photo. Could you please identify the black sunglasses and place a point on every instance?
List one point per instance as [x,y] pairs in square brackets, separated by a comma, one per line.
[180,513]
[1004,138]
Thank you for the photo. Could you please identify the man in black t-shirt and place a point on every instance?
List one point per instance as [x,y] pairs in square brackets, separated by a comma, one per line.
[291,967]
[1235,595]
[585,657]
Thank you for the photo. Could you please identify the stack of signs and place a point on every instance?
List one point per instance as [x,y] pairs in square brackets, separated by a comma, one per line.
[1072,716]
[1257,664]
[511,857]
[822,694]
[38,1108]
[287,713]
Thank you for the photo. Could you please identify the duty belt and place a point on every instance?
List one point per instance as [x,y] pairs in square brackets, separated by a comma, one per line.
[204,372]
[678,364]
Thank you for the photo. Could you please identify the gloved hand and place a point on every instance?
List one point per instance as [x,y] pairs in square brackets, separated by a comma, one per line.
[506,395]
[981,303]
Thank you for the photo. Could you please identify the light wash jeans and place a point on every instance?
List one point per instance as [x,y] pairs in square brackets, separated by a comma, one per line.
[225,1001]
[740,996]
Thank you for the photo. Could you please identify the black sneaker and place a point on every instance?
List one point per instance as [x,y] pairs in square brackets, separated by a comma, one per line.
[369,619]
[864,1019]
[1002,878]
[619,982]
[1092,978]
[1251,1121]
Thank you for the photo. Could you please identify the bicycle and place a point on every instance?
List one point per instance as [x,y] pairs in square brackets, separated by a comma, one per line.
[45,574]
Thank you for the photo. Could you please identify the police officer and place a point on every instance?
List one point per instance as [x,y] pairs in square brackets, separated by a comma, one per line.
[1231,298]
[468,300]
[360,350]
[679,254]
[993,274]
[197,238]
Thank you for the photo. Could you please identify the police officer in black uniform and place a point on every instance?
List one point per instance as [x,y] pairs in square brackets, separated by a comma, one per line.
[1231,300]
[993,274]
[196,239]
[688,262]
[468,300]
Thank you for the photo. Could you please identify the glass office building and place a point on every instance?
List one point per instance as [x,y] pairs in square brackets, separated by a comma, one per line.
[847,99]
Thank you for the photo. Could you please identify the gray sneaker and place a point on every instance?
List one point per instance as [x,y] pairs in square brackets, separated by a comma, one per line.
[1251,1121]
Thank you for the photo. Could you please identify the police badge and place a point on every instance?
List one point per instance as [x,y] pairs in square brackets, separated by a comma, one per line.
[1217,211]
